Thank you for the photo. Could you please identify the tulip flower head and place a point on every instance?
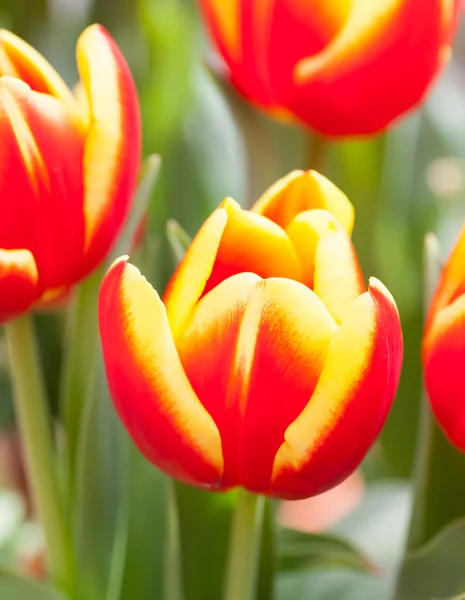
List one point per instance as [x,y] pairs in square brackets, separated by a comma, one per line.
[69,166]
[268,365]
[444,347]
[340,67]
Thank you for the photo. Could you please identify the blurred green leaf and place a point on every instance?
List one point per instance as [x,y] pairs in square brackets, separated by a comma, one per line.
[204,526]
[14,587]
[179,240]
[100,493]
[143,569]
[333,585]
[435,570]
[147,180]
[298,550]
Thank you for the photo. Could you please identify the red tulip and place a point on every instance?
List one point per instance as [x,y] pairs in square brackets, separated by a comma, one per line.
[341,68]
[267,365]
[69,166]
[444,347]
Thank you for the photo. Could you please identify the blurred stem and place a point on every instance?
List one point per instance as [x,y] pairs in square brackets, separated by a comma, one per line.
[36,437]
[81,342]
[317,152]
[173,576]
[244,547]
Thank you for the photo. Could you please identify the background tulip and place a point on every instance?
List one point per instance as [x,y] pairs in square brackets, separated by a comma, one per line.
[444,347]
[352,67]
[268,365]
[69,166]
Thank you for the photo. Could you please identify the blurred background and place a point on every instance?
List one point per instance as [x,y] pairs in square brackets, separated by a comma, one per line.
[403,184]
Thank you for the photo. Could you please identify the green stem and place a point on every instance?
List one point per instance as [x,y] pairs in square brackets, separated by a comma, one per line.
[317,152]
[244,547]
[36,437]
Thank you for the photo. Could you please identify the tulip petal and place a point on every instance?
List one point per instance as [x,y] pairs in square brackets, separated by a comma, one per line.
[350,403]
[41,182]
[223,16]
[378,66]
[300,191]
[18,282]
[444,359]
[253,352]
[305,232]
[19,59]
[338,279]
[148,384]
[113,144]
[452,283]
[187,284]
[252,243]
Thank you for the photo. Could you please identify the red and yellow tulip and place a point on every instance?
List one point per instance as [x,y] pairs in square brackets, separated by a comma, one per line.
[342,67]
[444,347]
[268,364]
[68,168]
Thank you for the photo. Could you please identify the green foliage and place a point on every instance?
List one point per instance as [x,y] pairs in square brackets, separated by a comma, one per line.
[13,587]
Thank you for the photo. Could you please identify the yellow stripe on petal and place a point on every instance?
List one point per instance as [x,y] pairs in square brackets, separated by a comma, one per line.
[150,389]
[19,59]
[12,94]
[188,282]
[112,150]
[305,231]
[304,190]
[366,22]
[338,279]
[345,366]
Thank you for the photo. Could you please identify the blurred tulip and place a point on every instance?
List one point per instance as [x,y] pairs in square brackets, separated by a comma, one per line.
[267,365]
[444,347]
[341,68]
[69,166]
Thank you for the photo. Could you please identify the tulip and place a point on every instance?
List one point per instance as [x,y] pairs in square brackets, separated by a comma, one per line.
[268,365]
[69,167]
[444,347]
[341,68]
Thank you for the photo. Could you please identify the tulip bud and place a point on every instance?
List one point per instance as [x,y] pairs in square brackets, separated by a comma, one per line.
[69,167]
[341,68]
[267,365]
[444,347]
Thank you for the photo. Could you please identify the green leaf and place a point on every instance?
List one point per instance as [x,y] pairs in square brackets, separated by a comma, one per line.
[436,570]
[143,569]
[333,585]
[299,550]
[204,527]
[179,240]
[100,491]
[14,587]
[147,181]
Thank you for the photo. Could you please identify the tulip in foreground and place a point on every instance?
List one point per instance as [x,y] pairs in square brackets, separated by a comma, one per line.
[444,347]
[69,165]
[341,68]
[268,365]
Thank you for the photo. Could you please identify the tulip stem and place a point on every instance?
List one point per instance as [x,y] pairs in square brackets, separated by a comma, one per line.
[317,152]
[244,547]
[36,437]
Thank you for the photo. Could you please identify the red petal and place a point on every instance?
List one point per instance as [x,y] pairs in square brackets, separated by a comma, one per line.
[149,387]
[355,391]
[18,282]
[113,145]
